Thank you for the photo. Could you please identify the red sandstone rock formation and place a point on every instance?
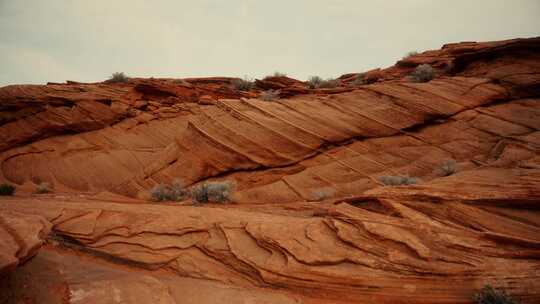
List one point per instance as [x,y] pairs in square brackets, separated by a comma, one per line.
[435,242]
[21,236]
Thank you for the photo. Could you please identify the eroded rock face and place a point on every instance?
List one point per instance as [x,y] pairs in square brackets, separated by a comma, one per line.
[63,276]
[21,236]
[403,243]
[494,60]
[126,138]
[310,215]
[205,141]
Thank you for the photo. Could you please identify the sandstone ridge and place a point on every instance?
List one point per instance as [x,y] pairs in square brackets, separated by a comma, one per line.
[310,220]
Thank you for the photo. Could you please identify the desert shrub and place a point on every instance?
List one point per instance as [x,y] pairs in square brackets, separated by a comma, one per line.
[329,83]
[411,53]
[423,73]
[490,295]
[390,180]
[218,192]
[118,77]
[159,192]
[43,187]
[6,189]
[165,192]
[447,168]
[276,74]
[359,79]
[244,84]
[315,82]
[323,193]
[270,95]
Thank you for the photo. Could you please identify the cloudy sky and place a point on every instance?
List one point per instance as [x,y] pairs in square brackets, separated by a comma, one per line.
[57,40]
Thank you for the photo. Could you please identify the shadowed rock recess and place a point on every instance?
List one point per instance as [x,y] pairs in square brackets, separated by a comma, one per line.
[309,220]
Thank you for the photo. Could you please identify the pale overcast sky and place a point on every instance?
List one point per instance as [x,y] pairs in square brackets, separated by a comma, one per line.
[57,40]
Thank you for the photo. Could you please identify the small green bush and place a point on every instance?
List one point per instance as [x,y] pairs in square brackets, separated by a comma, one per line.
[490,295]
[118,77]
[270,95]
[218,192]
[43,187]
[447,168]
[6,189]
[315,82]
[244,84]
[173,192]
[423,73]
[398,180]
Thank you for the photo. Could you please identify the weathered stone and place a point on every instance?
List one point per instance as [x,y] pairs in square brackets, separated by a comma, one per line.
[470,138]
[21,235]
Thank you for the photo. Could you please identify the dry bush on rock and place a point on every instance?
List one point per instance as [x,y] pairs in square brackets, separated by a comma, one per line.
[423,73]
[398,180]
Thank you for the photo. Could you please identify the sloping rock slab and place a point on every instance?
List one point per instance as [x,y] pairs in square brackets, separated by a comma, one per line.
[391,246]
[21,235]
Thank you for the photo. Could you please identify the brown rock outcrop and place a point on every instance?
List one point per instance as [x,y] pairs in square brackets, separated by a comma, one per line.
[310,217]
[493,60]
[130,124]
[21,236]
[237,134]
[394,244]
[62,276]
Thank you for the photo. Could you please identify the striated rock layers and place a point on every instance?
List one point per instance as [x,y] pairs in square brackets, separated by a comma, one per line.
[437,242]
[310,217]
[21,236]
